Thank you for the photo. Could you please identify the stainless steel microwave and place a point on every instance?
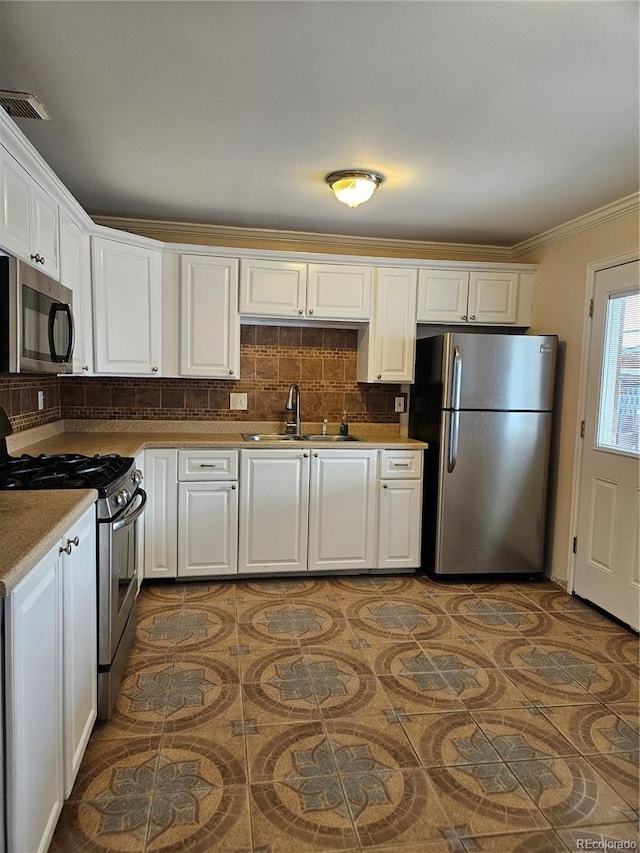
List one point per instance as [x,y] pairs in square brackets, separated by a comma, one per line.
[36,321]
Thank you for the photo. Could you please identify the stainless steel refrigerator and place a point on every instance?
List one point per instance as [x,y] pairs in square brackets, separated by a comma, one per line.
[484,404]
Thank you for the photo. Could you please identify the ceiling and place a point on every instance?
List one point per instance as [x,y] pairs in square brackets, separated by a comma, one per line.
[492,121]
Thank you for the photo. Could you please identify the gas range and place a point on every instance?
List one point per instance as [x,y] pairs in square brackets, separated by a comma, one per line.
[114,477]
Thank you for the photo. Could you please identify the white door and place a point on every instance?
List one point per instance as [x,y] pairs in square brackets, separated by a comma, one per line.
[127,301]
[34,730]
[442,296]
[400,509]
[209,323]
[274,510]
[273,288]
[493,297]
[80,653]
[161,515]
[342,510]
[339,292]
[207,529]
[607,564]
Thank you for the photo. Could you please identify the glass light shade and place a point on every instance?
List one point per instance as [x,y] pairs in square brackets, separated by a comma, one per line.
[355,187]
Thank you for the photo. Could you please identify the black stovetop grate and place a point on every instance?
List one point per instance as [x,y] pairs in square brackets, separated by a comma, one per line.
[61,471]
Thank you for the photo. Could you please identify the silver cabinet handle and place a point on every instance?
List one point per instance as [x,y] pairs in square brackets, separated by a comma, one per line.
[400,464]
[85,367]
[154,369]
[75,541]
[66,549]
[379,376]
[463,316]
[231,373]
[311,311]
[38,258]
[300,311]
[472,317]
[208,465]
[385,486]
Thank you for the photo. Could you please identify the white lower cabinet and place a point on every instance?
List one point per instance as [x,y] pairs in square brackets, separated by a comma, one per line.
[161,514]
[342,510]
[207,513]
[274,510]
[50,687]
[400,509]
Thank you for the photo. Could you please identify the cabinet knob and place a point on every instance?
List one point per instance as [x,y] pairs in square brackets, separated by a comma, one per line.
[75,541]
[311,311]
[233,488]
[379,376]
[463,317]
[154,369]
[305,455]
[231,373]
[85,367]
[385,486]
[316,455]
[300,311]
[66,549]
[38,258]
[472,317]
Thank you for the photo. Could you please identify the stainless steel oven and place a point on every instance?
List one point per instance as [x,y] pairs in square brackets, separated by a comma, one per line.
[118,531]
[36,321]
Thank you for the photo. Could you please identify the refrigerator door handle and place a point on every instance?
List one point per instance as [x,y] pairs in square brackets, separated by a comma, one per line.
[456,379]
[452,444]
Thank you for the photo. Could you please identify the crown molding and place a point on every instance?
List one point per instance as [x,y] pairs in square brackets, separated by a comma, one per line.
[301,241]
[628,204]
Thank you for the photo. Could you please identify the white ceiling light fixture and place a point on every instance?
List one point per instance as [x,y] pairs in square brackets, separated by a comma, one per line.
[354,186]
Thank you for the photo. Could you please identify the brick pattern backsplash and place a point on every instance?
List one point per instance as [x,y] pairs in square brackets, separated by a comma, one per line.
[19,399]
[321,360]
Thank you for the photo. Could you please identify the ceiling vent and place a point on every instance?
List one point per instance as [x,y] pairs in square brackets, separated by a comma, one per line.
[23,105]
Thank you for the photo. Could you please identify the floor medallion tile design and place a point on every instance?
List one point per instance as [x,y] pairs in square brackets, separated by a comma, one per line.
[390,714]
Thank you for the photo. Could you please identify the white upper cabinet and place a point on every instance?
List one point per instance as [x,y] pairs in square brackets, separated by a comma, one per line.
[127,303]
[74,274]
[209,321]
[308,291]
[29,221]
[338,292]
[386,347]
[489,298]
[273,288]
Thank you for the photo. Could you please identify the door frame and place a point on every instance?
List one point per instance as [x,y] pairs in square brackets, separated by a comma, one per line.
[592,269]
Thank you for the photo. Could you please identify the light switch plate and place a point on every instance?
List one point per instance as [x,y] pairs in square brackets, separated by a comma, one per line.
[238,402]
[40,400]
[399,403]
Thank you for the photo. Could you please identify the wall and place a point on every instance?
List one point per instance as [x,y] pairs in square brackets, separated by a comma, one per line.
[19,399]
[559,306]
[321,361]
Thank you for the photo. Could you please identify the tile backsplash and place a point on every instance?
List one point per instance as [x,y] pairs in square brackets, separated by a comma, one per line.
[322,361]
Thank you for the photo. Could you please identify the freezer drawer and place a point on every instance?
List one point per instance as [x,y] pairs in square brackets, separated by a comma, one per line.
[491,492]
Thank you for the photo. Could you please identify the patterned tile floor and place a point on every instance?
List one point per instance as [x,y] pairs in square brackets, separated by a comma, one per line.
[386,714]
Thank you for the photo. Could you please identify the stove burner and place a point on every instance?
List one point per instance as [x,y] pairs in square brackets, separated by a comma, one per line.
[62,471]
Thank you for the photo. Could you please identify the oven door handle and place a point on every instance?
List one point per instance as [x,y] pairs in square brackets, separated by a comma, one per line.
[125,520]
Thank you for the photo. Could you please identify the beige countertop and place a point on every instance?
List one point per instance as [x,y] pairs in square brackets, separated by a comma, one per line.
[132,443]
[31,522]
[30,525]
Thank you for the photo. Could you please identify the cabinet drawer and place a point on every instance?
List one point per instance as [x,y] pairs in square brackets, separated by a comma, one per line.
[401,464]
[207,465]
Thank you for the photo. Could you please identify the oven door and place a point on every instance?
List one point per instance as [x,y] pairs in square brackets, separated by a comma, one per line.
[117,575]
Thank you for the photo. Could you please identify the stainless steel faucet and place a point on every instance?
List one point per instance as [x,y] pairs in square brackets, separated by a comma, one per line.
[296,425]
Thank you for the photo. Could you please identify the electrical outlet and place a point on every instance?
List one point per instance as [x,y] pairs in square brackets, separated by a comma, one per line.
[399,404]
[238,402]
[40,400]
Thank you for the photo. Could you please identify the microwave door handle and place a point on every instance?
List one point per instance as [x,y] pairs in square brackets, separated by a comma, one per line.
[66,358]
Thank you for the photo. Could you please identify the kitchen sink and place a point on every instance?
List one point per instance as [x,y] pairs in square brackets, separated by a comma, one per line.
[330,438]
[270,437]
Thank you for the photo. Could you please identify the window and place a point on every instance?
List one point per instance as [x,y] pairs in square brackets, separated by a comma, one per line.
[619,414]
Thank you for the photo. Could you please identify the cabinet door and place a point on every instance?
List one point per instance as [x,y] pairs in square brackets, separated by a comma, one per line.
[207,529]
[273,288]
[493,297]
[400,503]
[80,654]
[14,213]
[386,348]
[126,282]
[161,514]
[339,292]
[45,230]
[209,321]
[274,510]
[442,296]
[34,730]
[73,274]
[342,510]
[140,465]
